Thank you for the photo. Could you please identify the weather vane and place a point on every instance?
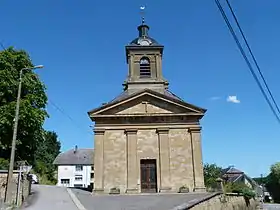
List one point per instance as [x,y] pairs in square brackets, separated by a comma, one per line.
[142,12]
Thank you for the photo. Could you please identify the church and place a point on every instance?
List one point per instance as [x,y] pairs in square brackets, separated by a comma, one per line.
[147,139]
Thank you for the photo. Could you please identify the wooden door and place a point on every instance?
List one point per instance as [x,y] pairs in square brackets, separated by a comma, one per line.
[148,175]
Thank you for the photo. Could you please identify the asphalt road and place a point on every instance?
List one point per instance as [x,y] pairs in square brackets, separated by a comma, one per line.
[45,197]
[135,202]
[57,198]
[271,206]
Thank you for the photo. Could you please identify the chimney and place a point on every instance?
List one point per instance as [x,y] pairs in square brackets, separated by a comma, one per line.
[76,149]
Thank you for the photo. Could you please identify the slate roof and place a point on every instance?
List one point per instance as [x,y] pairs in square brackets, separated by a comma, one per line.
[125,95]
[231,170]
[167,93]
[135,42]
[143,34]
[80,157]
[232,174]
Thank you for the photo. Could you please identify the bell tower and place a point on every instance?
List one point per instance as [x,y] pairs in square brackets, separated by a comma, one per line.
[144,59]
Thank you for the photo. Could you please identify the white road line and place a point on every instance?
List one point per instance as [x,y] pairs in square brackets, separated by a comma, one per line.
[76,200]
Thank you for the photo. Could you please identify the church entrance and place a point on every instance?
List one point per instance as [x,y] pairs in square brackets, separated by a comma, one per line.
[148,175]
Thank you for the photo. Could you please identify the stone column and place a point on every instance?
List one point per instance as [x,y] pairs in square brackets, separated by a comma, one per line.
[164,159]
[197,159]
[99,160]
[132,172]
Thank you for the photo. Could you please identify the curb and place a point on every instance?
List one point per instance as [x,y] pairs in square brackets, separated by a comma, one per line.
[75,200]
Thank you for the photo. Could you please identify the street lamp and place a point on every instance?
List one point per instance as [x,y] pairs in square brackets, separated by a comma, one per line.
[8,197]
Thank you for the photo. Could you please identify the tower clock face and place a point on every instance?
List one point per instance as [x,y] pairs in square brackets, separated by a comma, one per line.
[144,42]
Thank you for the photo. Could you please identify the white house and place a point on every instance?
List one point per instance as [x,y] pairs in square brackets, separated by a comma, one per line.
[75,168]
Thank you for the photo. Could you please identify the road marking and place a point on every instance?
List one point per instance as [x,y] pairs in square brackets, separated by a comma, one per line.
[76,200]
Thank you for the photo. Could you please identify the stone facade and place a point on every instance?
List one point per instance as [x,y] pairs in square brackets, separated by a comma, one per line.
[174,143]
[147,139]
[25,187]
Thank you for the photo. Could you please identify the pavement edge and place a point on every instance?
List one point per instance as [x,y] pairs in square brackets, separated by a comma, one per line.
[75,200]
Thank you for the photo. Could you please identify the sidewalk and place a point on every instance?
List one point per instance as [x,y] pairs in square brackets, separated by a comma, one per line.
[45,197]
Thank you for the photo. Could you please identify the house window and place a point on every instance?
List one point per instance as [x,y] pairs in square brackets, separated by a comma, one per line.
[92,175]
[78,178]
[145,68]
[65,181]
[79,168]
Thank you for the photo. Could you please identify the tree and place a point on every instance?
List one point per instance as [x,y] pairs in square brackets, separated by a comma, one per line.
[45,154]
[211,173]
[273,182]
[32,105]
[261,180]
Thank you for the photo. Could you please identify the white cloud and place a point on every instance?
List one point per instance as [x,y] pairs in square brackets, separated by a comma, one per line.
[233,99]
[215,98]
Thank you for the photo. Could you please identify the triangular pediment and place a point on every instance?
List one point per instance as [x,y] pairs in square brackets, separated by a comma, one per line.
[147,102]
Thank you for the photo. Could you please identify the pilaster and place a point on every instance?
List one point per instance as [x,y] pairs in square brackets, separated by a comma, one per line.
[99,160]
[131,67]
[197,159]
[132,175]
[164,159]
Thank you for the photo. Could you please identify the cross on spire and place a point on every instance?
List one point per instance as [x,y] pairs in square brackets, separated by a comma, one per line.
[142,12]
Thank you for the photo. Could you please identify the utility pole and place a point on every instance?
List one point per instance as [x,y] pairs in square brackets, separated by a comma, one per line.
[9,193]
[262,184]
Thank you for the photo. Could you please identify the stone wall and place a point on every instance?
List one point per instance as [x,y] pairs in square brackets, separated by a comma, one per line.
[228,202]
[25,186]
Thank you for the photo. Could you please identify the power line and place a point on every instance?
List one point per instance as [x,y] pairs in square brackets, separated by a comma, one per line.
[68,116]
[254,58]
[246,59]
[2,46]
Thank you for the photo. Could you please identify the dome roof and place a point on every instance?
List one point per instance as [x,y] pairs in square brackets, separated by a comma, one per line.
[139,40]
[144,39]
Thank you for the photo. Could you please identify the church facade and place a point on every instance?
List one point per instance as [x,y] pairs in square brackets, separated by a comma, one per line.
[147,139]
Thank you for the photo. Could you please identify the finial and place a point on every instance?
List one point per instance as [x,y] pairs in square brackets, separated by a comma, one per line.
[142,12]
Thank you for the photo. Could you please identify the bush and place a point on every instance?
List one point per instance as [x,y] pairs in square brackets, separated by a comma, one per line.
[241,189]
[248,193]
[235,187]
[4,164]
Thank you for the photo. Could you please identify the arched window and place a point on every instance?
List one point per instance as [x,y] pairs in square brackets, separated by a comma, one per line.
[145,68]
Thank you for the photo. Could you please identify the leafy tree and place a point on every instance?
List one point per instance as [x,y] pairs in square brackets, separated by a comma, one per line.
[35,145]
[32,105]
[211,173]
[261,180]
[273,182]
[45,154]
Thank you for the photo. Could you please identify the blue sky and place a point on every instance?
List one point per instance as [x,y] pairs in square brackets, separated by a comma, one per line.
[75,39]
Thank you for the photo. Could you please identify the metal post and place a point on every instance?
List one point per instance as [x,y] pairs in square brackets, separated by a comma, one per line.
[262,184]
[9,192]
[19,185]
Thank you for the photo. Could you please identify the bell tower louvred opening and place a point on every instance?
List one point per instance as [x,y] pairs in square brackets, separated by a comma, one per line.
[144,59]
[145,68]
